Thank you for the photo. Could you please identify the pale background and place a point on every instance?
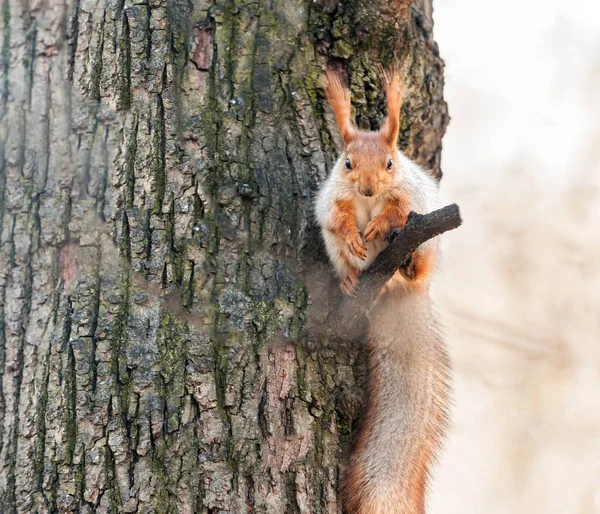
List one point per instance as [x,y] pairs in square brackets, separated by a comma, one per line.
[521,285]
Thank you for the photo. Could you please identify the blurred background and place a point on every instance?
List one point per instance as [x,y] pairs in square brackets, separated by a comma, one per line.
[521,281]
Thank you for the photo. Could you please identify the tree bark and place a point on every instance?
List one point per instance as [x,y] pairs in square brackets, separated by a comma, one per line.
[162,284]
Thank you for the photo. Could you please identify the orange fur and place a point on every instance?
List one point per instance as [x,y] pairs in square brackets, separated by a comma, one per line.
[349,283]
[394,92]
[338,97]
[368,154]
[421,267]
[395,353]
[359,495]
[367,171]
[372,188]
[342,219]
[343,225]
[355,485]
[394,215]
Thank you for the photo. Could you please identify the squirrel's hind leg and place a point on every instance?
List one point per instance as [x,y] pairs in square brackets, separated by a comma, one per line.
[350,278]
[349,284]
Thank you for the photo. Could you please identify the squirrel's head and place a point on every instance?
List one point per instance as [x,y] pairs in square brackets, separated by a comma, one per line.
[370,157]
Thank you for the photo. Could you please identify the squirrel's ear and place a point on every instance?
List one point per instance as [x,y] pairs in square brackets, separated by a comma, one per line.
[338,97]
[394,91]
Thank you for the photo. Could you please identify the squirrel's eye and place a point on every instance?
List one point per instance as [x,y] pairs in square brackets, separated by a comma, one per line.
[389,165]
[348,165]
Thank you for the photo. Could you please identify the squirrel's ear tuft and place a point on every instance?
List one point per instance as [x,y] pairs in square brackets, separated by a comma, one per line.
[338,97]
[394,91]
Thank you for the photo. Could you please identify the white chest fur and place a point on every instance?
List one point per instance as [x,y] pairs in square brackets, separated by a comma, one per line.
[365,209]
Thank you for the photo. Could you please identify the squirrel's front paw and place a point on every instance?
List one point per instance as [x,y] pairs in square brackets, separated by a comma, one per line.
[356,246]
[409,269]
[349,284]
[418,266]
[379,226]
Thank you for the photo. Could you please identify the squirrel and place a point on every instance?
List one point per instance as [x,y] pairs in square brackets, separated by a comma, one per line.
[371,190]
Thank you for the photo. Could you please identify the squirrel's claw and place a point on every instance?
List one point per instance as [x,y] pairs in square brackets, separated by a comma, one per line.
[418,265]
[408,269]
[356,246]
[377,227]
[349,284]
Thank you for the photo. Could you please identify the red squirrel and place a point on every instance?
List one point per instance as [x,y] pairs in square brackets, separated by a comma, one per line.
[370,191]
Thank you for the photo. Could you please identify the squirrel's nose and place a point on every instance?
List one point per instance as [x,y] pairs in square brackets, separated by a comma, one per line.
[367,191]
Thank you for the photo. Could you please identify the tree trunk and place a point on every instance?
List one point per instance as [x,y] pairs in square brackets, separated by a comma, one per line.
[163,291]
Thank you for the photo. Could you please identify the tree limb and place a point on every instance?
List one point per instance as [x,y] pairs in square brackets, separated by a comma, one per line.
[418,229]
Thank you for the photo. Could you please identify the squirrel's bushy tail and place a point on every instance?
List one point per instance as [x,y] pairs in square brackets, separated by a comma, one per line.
[405,414]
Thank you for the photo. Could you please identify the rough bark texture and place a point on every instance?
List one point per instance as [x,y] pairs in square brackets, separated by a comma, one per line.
[161,277]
